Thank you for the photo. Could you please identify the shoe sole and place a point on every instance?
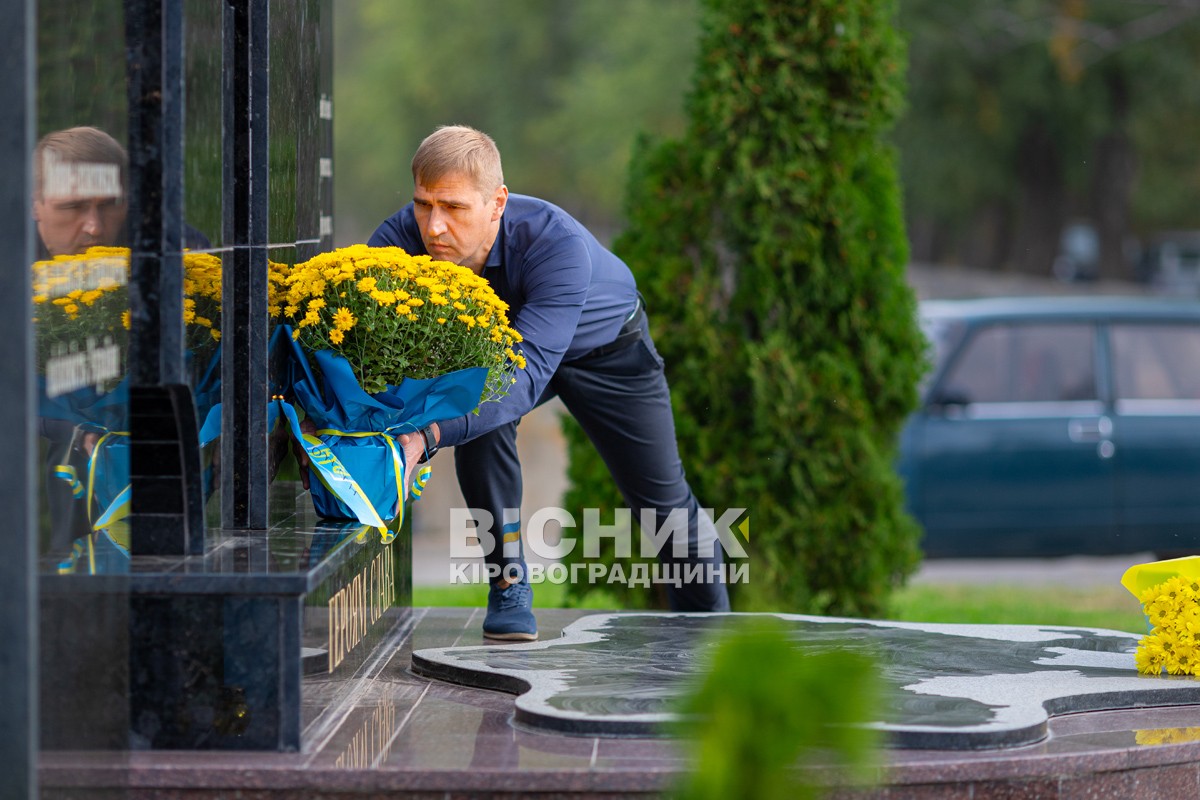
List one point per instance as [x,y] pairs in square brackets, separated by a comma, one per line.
[515,636]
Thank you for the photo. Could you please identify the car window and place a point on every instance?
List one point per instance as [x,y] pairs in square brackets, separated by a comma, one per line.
[1156,361]
[1024,363]
[940,335]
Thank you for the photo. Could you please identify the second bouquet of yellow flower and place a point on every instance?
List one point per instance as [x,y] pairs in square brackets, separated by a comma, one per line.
[398,341]
[1169,592]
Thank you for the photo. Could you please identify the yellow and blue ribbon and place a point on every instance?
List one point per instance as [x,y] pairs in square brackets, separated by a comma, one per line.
[119,507]
[333,475]
[67,473]
[419,481]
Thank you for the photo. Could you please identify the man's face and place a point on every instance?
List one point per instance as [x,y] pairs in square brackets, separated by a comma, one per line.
[458,223]
[70,225]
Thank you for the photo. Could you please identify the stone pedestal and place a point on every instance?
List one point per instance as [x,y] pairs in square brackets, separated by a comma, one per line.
[242,648]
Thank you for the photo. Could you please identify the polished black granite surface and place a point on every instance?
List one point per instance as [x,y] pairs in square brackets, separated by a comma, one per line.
[402,735]
[244,647]
[960,687]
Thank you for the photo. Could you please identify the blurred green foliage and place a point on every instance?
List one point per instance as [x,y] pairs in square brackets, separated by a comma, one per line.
[1023,115]
[1027,115]
[563,86]
[769,245]
[81,66]
[765,711]
[202,139]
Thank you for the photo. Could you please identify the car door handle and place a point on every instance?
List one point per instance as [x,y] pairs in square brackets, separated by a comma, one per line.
[1089,430]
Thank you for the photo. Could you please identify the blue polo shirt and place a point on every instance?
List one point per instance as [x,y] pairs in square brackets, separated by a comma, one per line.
[566,293]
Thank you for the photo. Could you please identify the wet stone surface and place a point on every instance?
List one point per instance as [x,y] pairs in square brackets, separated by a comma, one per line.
[955,687]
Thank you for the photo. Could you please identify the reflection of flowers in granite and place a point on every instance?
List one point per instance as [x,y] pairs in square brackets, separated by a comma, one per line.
[394,316]
[85,297]
[201,299]
[1173,609]
[1167,735]
[81,310]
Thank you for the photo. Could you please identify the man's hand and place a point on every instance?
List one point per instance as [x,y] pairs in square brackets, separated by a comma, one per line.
[414,447]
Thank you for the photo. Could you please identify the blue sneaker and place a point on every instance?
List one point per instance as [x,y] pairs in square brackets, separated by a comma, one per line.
[510,613]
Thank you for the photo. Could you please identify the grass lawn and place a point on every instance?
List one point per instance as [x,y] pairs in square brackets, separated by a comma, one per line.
[545,595]
[1097,607]
[1102,607]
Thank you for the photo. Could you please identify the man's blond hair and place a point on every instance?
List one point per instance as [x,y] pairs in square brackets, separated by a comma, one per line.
[459,149]
[82,145]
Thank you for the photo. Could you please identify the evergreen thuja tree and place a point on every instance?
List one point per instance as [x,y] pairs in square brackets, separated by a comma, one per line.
[770,247]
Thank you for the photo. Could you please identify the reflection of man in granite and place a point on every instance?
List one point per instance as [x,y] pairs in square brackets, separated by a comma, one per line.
[79,197]
[80,201]
[585,340]
[79,175]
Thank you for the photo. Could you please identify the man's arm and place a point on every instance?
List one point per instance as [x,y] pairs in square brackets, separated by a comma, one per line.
[555,282]
[555,277]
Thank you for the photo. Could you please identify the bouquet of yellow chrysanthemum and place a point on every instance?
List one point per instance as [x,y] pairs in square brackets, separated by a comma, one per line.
[1169,592]
[394,316]
[399,341]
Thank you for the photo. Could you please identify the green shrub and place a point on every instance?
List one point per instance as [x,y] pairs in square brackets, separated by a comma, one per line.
[770,247]
[765,711]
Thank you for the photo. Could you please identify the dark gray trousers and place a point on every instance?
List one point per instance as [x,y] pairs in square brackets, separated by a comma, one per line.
[622,402]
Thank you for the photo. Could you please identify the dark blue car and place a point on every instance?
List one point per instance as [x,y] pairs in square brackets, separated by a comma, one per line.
[1058,426]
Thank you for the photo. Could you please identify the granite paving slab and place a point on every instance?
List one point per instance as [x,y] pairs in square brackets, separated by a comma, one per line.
[955,687]
[407,736]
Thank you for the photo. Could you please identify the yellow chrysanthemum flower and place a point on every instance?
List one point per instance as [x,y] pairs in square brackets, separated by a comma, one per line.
[344,320]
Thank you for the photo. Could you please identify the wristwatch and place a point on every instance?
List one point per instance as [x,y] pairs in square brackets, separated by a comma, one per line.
[431,445]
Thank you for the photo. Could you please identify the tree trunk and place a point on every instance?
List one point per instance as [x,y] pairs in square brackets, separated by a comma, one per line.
[989,243]
[1041,208]
[1112,182]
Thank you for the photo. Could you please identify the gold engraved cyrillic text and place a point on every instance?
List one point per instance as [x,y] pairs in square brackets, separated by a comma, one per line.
[358,605]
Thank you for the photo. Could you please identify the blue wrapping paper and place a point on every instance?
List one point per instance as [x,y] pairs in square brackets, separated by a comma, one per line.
[359,432]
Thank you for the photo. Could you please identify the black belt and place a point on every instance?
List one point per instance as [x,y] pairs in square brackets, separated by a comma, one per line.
[630,332]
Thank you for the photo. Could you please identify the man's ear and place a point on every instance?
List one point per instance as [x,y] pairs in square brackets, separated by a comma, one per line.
[501,200]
